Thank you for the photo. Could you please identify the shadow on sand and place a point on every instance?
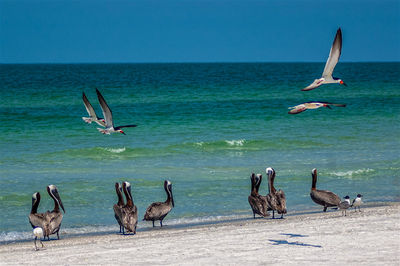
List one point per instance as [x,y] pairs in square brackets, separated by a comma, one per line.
[297,243]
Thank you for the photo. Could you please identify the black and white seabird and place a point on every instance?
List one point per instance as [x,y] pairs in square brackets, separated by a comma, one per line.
[333,58]
[344,205]
[357,202]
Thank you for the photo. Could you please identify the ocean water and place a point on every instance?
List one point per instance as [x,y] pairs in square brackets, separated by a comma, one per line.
[204,127]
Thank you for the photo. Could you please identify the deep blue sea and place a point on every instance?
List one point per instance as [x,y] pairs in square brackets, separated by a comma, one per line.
[204,127]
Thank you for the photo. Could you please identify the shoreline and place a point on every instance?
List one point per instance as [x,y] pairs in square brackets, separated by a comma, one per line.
[208,221]
[367,237]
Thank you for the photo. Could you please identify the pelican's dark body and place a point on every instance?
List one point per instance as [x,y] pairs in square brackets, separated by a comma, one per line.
[276,199]
[257,202]
[158,210]
[129,213]
[322,197]
[118,207]
[49,221]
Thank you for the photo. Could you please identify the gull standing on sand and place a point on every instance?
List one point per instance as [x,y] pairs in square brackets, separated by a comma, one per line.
[357,202]
[108,117]
[344,205]
[312,105]
[38,233]
[333,58]
[92,114]
[158,210]
[322,197]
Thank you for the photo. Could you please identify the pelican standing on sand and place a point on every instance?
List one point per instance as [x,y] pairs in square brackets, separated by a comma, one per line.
[312,105]
[129,213]
[92,114]
[158,210]
[118,207]
[333,58]
[322,197]
[276,199]
[257,202]
[108,118]
[50,222]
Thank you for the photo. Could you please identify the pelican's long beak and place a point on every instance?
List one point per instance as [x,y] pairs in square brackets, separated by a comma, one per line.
[62,206]
[172,197]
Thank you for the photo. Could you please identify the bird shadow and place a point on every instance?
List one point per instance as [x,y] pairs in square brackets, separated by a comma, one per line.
[294,235]
[296,243]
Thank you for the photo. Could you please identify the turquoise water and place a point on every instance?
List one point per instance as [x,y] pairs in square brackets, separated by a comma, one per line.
[205,127]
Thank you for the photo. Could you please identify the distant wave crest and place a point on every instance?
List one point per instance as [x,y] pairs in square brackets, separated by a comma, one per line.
[115,150]
[352,173]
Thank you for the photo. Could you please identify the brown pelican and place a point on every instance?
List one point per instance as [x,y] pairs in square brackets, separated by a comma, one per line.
[322,197]
[37,219]
[38,233]
[344,205]
[108,117]
[158,210]
[276,199]
[257,202]
[92,114]
[312,105]
[129,213]
[333,58]
[357,202]
[50,222]
[118,207]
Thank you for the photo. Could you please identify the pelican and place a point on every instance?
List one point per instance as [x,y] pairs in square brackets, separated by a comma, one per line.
[344,205]
[333,58]
[38,233]
[50,222]
[158,210]
[92,114]
[312,105]
[129,213]
[322,197]
[118,207]
[357,202]
[276,199]
[108,118]
[257,202]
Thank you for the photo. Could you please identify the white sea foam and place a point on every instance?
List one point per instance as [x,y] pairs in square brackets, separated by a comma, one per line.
[239,142]
[116,150]
[352,173]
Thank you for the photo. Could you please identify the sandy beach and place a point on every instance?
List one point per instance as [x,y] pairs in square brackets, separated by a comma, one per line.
[369,237]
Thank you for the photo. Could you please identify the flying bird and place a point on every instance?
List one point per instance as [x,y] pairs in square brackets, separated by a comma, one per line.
[92,114]
[108,118]
[312,105]
[333,58]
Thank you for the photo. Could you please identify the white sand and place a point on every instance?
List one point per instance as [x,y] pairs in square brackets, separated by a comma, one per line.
[369,238]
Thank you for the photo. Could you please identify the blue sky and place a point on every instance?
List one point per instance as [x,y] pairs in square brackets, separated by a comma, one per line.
[197,31]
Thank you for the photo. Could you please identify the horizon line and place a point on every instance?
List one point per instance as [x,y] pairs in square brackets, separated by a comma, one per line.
[188,62]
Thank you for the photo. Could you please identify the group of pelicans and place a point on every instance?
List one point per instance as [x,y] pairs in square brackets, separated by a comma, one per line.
[275,200]
[126,213]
